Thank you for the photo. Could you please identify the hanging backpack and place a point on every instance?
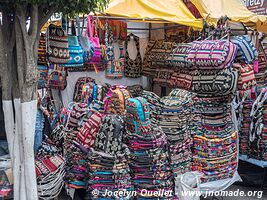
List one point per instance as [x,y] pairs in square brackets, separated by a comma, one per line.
[247,52]
[89,92]
[215,83]
[116,99]
[94,39]
[147,67]
[77,96]
[57,44]
[110,135]
[87,134]
[114,69]
[86,44]
[133,68]
[202,54]
[75,51]
[57,76]
[246,79]
[137,115]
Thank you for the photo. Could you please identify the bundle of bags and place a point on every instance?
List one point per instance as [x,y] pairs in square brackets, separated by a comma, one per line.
[75,152]
[108,161]
[174,119]
[148,151]
[201,66]
[50,170]
[262,65]
[215,141]
[257,129]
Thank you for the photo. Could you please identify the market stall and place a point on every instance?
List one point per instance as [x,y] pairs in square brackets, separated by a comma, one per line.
[98,127]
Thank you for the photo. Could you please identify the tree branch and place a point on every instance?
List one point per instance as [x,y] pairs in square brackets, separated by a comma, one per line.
[21,16]
[45,17]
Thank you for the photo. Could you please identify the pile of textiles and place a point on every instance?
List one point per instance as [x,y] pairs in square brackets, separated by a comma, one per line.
[148,152]
[74,153]
[215,141]
[262,62]
[174,119]
[154,104]
[108,160]
[50,170]
[257,137]
[244,105]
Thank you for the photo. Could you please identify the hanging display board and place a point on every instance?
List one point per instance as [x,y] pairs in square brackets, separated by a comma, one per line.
[257,6]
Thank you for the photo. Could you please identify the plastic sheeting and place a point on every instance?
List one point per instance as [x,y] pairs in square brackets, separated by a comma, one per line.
[221,184]
[212,11]
[168,10]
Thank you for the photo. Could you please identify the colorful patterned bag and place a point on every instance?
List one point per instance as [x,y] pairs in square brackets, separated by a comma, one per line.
[75,51]
[114,69]
[133,68]
[91,29]
[247,52]
[212,54]
[147,67]
[163,75]
[57,76]
[160,52]
[178,58]
[181,79]
[87,134]
[86,44]
[77,96]
[89,92]
[42,79]
[110,135]
[246,79]
[116,99]
[261,75]
[57,42]
[138,115]
[42,50]
[215,83]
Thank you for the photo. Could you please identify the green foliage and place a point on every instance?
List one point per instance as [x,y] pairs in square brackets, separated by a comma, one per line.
[66,6]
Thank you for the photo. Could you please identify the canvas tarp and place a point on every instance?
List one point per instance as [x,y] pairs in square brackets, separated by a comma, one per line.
[213,10]
[168,10]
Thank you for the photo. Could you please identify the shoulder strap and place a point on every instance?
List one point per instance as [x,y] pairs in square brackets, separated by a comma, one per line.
[73,29]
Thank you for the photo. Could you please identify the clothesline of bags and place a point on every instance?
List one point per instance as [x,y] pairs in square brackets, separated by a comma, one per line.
[60,53]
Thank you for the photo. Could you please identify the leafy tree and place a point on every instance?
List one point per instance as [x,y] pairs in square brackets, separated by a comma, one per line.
[18,64]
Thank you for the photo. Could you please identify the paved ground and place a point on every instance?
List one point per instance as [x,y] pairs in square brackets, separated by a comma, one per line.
[232,188]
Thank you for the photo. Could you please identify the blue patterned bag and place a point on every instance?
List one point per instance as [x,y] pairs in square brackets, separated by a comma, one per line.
[246,50]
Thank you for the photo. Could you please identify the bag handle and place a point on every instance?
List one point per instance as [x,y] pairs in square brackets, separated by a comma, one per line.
[79,30]
[73,28]
[89,30]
